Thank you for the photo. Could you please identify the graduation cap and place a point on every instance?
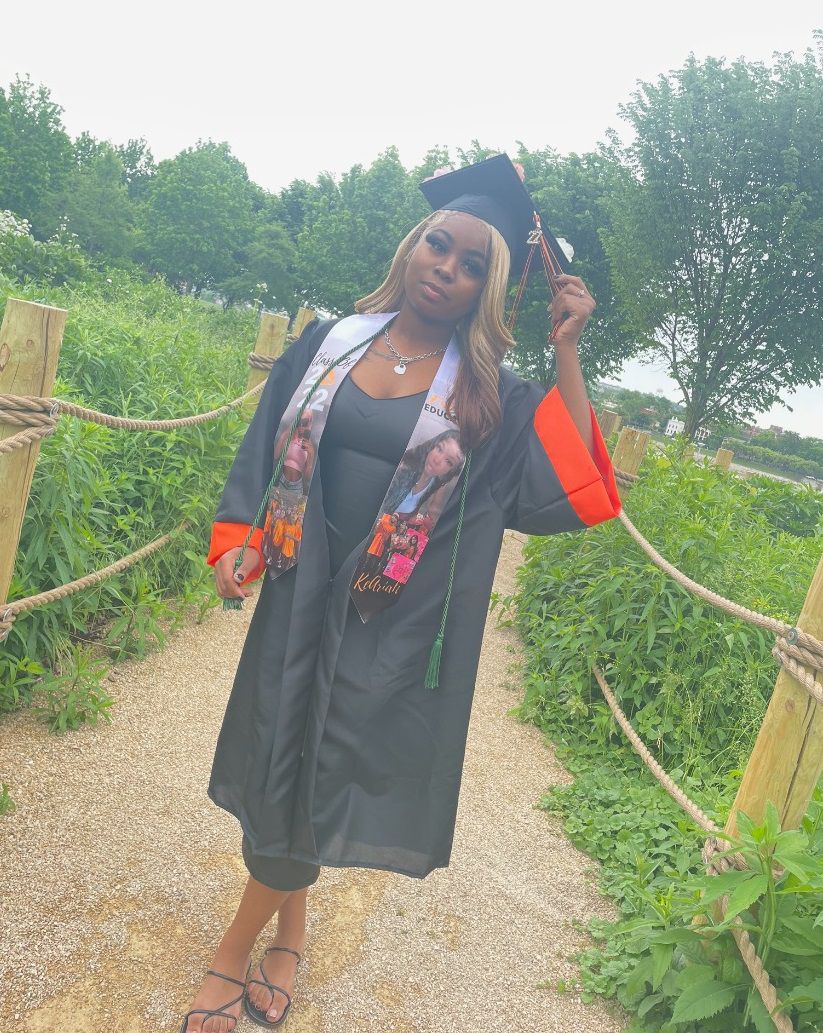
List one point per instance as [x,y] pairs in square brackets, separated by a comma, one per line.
[493,191]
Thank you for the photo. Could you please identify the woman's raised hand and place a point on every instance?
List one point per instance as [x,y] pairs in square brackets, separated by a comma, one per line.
[229,583]
[570,308]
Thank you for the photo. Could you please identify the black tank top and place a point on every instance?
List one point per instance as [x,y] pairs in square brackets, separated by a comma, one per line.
[361,447]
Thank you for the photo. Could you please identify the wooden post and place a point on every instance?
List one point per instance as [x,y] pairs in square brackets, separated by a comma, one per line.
[30,340]
[723,459]
[303,317]
[609,422]
[271,340]
[787,759]
[630,448]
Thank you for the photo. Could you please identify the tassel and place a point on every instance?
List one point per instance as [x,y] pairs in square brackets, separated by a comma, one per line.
[433,670]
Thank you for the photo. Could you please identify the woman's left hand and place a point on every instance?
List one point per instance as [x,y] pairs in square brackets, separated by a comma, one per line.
[571,307]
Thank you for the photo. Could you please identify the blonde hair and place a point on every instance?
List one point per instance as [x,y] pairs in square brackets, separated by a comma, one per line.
[482,335]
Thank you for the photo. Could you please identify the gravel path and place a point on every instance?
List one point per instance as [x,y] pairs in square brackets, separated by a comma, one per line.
[118,874]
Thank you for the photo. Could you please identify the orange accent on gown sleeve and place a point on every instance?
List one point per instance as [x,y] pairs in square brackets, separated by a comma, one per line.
[587,480]
[230,536]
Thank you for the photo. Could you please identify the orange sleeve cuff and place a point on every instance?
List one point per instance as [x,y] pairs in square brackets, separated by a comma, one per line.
[587,479]
[231,536]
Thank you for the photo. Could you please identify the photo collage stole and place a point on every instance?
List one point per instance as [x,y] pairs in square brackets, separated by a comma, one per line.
[419,490]
[422,484]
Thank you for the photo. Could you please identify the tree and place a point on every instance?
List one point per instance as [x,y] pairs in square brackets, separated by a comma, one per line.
[138,166]
[95,202]
[36,154]
[266,269]
[350,232]
[198,216]
[715,242]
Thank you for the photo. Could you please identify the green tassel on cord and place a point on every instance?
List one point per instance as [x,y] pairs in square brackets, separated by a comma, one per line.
[432,680]
[433,670]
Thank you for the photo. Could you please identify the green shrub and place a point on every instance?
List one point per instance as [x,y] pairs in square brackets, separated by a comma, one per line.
[695,684]
[778,460]
[139,349]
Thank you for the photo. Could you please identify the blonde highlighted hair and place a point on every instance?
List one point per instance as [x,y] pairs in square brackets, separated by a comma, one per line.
[482,334]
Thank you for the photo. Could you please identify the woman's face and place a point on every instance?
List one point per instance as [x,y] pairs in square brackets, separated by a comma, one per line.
[447,270]
[443,458]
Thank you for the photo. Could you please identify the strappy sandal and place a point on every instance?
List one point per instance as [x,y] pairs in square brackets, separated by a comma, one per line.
[221,1012]
[254,1013]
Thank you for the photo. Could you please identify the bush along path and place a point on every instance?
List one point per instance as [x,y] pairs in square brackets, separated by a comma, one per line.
[119,874]
[694,682]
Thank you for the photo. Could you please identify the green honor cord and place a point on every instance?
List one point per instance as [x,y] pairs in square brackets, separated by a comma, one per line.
[433,670]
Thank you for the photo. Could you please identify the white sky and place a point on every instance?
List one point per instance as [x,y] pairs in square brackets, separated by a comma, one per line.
[297,89]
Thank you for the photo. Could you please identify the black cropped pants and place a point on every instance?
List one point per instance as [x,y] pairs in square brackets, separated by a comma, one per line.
[279,873]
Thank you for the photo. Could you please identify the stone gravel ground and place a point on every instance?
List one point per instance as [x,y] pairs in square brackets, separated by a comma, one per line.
[118,874]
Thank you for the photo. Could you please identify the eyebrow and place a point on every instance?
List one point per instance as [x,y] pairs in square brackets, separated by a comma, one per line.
[471,251]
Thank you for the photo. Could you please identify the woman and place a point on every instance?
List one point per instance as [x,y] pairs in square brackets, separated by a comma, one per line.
[335,749]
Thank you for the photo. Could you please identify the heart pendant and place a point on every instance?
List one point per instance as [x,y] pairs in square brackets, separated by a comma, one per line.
[401,369]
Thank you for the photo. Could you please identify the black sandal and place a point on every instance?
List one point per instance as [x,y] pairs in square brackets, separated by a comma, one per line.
[254,1013]
[219,1011]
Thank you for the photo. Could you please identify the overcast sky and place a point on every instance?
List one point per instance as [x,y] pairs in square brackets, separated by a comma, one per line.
[301,88]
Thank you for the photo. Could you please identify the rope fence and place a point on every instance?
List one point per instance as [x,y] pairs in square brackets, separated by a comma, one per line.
[715,862]
[39,417]
[11,609]
[801,654]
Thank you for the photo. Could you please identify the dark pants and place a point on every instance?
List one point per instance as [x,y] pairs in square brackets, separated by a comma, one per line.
[279,873]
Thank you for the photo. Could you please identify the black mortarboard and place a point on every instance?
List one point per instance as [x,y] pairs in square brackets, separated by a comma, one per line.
[494,192]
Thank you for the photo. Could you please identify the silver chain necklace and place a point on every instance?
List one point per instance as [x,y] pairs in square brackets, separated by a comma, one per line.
[404,360]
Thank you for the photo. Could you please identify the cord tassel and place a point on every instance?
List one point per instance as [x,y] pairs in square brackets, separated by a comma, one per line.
[433,670]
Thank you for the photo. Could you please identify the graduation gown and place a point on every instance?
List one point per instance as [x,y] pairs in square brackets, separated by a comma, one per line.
[331,750]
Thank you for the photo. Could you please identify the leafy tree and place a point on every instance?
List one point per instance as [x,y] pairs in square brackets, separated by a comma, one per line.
[715,237]
[351,230]
[96,203]
[198,216]
[266,269]
[36,154]
[138,166]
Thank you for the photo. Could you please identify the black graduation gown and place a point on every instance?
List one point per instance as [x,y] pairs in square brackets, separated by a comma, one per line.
[332,751]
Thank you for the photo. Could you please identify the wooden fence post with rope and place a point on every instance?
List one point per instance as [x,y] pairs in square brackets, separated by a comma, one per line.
[787,760]
[30,340]
[628,455]
[270,345]
[271,341]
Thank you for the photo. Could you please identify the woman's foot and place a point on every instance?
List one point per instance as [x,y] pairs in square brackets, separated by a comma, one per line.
[281,969]
[215,993]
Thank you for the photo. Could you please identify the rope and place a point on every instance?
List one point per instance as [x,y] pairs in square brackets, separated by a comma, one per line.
[714,864]
[31,602]
[27,437]
[42,413]
[625,478]
[810,651]
[257,361]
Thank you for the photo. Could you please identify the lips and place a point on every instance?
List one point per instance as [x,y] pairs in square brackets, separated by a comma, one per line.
[432,291]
